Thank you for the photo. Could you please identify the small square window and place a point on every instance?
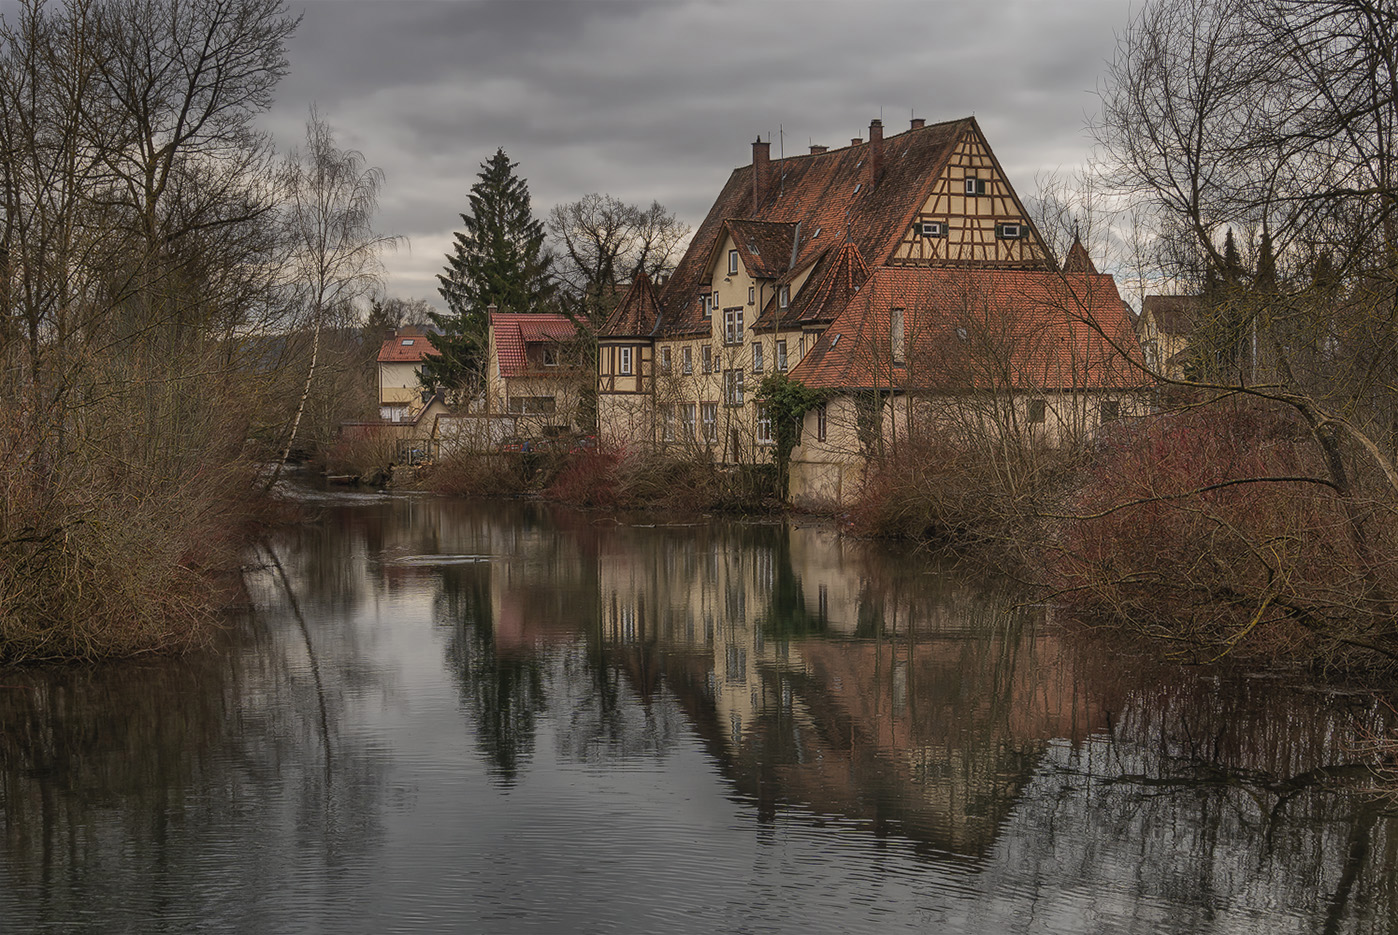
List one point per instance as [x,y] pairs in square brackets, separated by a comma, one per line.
[933,228]
[1109,410]
[1009,231]
[732,262]
[975,186]
[1036,410]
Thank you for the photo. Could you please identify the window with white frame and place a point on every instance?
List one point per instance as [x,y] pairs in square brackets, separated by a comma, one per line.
[733,325]
[757,357]
[732,262]
[781,356]
[783,296]
[713,300]
[706,354]
[733,387]
[975,186]
[752,294]
[550,356]
[706,306]
[764,425]
[708,421]
[667,422]
[1009,231]
[931,229]
[686,361]
[624,361]
[687,421]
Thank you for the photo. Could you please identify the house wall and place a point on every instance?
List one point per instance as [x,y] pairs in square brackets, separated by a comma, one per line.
[398,383]
[831,471]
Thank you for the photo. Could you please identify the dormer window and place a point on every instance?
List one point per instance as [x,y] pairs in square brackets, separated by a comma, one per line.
[933,228]
[1009,231]
[732,262]
[550,357]
[975,186]
[704,306]
[783,296]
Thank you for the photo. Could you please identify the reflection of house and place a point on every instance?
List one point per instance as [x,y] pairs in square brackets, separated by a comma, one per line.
[788,249]
[813,681]
[1165,325]
[532,373]
[402,397]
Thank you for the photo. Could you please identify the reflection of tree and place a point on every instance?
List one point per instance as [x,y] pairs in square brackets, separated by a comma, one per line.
[505,692]
[787,614]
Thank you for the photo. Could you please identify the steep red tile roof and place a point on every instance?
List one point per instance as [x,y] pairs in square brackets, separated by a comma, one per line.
[406,347]
[837,277]
[1077,260]
[765,248]
[832,197]
[513,332]
[967,328]
[638,313]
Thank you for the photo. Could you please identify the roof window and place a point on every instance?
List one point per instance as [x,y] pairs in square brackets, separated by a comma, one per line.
[407,342]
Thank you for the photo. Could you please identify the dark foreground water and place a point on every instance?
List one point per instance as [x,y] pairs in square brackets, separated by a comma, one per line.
[455,717]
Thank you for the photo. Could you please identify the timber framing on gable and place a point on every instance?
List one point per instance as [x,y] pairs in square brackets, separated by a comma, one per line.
[975,222]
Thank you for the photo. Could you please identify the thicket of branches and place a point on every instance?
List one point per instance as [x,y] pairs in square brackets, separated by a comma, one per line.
[154,295]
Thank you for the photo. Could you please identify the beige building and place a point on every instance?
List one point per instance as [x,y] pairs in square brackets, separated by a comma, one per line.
[901,240]
[402,397]
[1164,327]
[533,375]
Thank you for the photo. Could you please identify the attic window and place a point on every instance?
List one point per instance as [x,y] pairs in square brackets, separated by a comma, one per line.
[1009,231]
[858,187]
[835,340]
[975,186]
[961,333]
[783,296]
[816,234]
[933,228]
[407,342]
[732,261]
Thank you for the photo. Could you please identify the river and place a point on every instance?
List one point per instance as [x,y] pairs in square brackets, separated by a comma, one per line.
[452,716]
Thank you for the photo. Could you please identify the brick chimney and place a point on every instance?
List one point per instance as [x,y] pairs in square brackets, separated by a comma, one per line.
[761,158]
[855,141]
[918,123]
[876,156]
[817,148]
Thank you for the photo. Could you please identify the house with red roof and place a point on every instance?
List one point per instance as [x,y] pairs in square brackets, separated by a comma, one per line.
[533,373]
[897,272]
[402,396]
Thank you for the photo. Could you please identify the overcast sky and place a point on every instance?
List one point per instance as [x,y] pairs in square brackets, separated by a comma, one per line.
[661,99]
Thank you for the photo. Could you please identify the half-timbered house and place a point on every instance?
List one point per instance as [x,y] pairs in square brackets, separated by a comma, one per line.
[890,230]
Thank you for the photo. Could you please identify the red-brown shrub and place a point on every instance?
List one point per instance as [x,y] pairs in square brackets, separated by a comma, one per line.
[1202,528]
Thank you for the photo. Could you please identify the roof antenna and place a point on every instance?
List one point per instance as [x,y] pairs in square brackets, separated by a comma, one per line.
[781,154]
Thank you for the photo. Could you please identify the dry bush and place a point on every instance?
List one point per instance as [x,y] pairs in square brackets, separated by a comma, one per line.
[1175,531]
[365,455]
[481,474]
[933,488]
[587,479]
[101,560]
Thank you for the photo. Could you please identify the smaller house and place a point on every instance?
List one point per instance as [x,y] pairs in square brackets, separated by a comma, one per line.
[534,373]
[1164,328]
[402,397]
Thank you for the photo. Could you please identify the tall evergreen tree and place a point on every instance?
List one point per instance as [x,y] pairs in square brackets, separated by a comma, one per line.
[498,259]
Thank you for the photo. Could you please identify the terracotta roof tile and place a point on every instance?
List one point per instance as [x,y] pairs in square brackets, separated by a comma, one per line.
[766,248]
[406,347]
[830,195]
[514,332]
[968,328]
[638,313]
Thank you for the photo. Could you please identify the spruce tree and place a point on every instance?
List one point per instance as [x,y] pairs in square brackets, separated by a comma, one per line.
[498,259]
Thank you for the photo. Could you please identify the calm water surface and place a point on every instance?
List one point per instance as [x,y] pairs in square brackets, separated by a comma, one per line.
[446,716]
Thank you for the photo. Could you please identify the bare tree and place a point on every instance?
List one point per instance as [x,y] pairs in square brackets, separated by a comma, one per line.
[331,201]
[603,243]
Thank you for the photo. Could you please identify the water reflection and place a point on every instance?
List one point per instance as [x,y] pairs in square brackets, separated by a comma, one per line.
[445,716]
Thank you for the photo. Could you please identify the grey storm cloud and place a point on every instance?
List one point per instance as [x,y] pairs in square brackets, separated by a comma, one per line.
[661,99]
